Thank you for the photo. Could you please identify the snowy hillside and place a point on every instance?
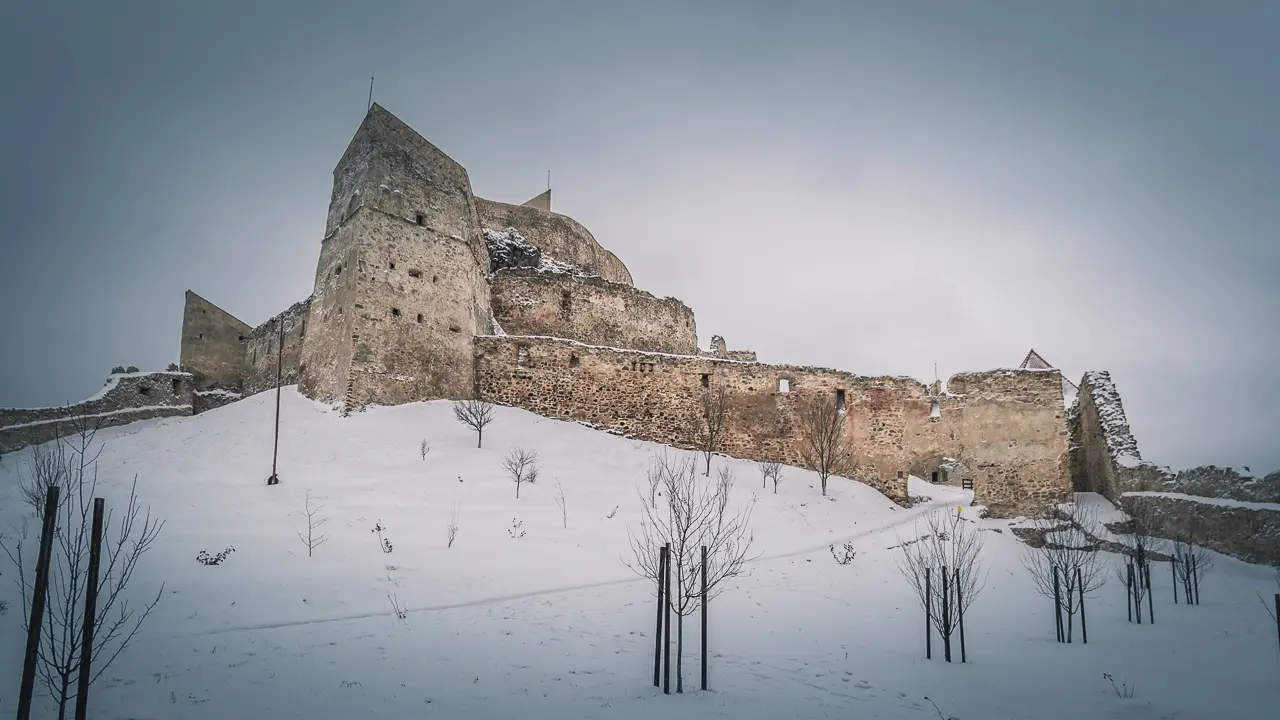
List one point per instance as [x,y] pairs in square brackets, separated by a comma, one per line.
[523,617]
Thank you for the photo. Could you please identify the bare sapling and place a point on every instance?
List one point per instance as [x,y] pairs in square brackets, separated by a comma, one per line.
[475,414]
[949,547]
[126,538]
[313,537]
[1071,552]
[559,497]
[521,466]
[770,470]
[424,448]
[453,524]
[824,439]
[692,514]
[1191,559]
[715,413]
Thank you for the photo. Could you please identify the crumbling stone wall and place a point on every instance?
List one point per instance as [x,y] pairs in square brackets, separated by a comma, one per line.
[1104,455]
[1230,483]
[1248,531]
[261,350]
[590,310]
[557,236]
[1007,425]
[213,344]
[126,397]
[720,350]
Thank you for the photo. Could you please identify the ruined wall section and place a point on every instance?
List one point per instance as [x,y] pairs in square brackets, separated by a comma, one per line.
[403,224]
[126,398]
[592,311]
[213,344]
[261,351]
[1243,530]
[1104,454]
[558,236]
[1005,425]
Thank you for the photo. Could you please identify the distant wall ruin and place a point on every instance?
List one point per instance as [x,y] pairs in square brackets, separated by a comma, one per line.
[126,398]
[1006,425]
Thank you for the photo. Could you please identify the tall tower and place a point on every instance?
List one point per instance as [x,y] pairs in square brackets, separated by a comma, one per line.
[401,286]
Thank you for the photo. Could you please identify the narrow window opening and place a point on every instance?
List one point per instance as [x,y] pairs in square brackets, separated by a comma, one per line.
[415,273]
[393,265]
[200,335]
[395,312]
[784,385]
[435,278]
[337,270]
[840,400]
[177,384]
[303,333]
[455,328]
[420,219]
[566,303]
[419,317]
[144,390]
[241,338]
[573,361]
[522,356]
[706,380]
[254,361]
[935,413]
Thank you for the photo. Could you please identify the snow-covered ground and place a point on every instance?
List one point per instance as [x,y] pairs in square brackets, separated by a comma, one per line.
[552,624]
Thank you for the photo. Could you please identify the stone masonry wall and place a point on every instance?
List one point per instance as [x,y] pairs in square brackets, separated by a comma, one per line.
[1006,425]
[127,397]
[592,311]
[1104,455]
[213,344]
[1248,531]
[260,359]
[558,236]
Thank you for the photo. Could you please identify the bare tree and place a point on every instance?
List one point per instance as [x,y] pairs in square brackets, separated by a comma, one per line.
[715,412]
[1072,556]
[522,466]
[424,448]
[123,545]
[694,514]
[947,546]
[770,470]
[1139,542]
[313,539]
[824,441]
[475,414]
[48,467]
[453,523]
[1191,559]
[564,513]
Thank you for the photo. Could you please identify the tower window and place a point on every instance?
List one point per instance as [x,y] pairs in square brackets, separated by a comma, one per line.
[393,265]
[420,219]
[177,384]
[144,390]
[706,380]
[573,361]
[784,385]
[337,270]
[419,317]
[395,312]
[840,406]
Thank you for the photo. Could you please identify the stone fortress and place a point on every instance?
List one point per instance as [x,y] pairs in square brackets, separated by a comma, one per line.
[424,291]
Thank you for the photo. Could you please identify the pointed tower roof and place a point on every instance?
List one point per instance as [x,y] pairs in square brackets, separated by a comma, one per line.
[1033,361]
[541,202]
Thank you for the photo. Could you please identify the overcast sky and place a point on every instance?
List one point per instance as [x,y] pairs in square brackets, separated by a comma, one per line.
[875,187]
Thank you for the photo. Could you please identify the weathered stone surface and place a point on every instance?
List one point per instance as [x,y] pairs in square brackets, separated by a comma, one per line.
[125,398]
[720,350]
[557,236]
[261,351]
[213,344]
[1007,425]
[508,249]
[1218,482]
[592,311]
[1250,532]
[1104,455]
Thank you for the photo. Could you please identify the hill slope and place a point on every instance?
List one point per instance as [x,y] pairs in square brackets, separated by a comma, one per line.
[552,623]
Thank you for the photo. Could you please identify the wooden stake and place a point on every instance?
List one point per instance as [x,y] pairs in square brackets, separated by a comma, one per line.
[704,617]
[90,610]
[1084,631]
[657,636]
[928,617]
[37,603]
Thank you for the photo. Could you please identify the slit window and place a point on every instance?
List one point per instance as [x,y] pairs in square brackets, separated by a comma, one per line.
[415,273]
[419,317]
[840,405]
[566,303]
[706,380]
[784,385]
[177,384]
[522,356]
[420,219]
[393,265]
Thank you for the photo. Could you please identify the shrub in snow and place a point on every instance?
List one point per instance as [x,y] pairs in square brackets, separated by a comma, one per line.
[204,558]
[948,548]
[383,543]
[1124,690]
[844,557]
[1067,563]
[517,528]
[453,524]
[559,497]
[397,608]
[715,413]
[424,448]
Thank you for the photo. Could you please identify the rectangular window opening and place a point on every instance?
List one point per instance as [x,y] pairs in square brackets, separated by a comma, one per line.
[573,361]
[840,406]
[419,317]
[784,385]
[706,380]
[415,273]
[522,356]
[420,219]
[144,390]
[177,384]
[392,264]
[337,270]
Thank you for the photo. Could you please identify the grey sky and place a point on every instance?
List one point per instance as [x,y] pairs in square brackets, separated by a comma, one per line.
[869,186]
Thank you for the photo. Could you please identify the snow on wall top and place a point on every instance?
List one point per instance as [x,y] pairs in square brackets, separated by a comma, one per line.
[1221,502]
[509,249]
[1115,426]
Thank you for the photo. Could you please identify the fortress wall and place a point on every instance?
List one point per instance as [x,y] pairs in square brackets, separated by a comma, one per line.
[421,298]
[1104,454]
[557,236]
[213,344]
[127,397]
[325,363]
[592,311]
[260,360]
[1008,426]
